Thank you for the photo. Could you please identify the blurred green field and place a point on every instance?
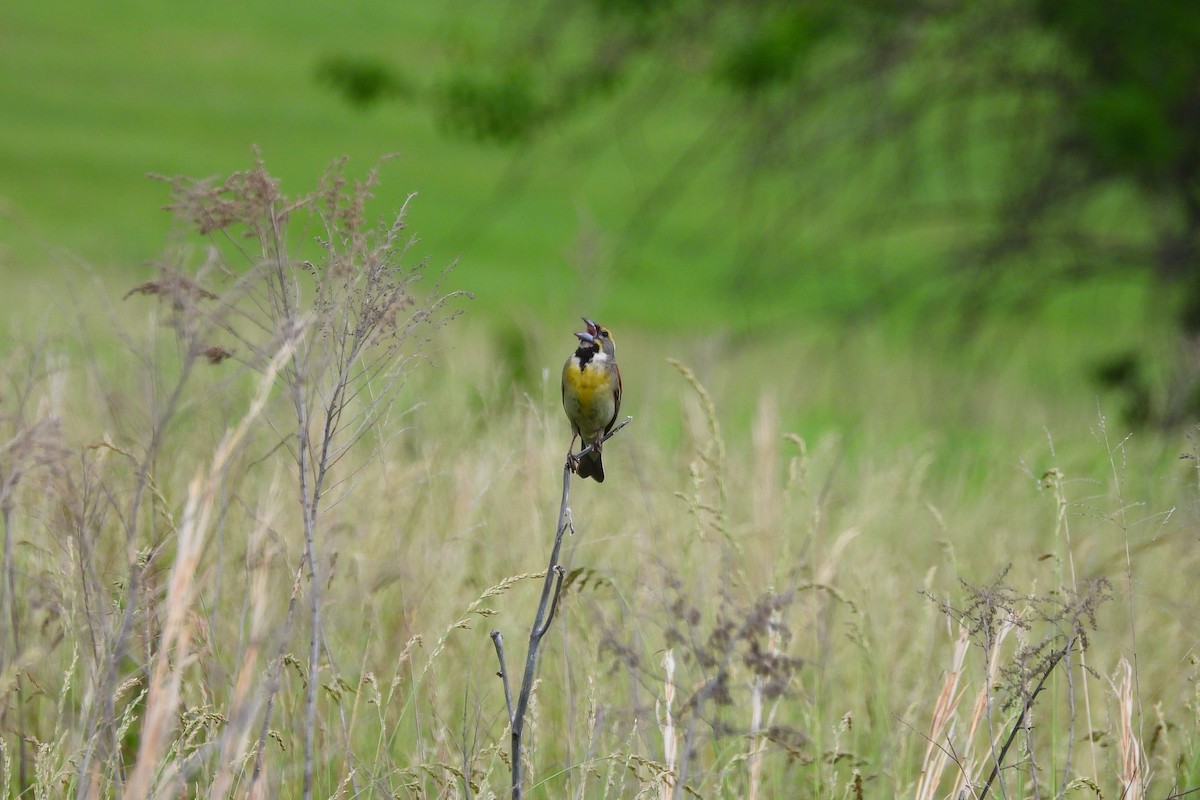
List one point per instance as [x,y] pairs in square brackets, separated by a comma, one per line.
[189,91]
[921,441]
[96,99]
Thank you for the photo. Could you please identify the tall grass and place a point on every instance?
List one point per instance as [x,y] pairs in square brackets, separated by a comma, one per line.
[257,550]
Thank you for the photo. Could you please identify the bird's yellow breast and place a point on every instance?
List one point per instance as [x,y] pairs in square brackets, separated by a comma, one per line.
[585,382]
[588,396]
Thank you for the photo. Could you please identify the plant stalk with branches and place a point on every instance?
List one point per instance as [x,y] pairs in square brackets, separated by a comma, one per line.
[352,313]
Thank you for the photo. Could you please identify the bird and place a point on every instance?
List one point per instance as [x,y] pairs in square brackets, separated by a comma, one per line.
[591,393]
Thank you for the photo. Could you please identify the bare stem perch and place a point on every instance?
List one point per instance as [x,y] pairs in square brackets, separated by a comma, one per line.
[547,605]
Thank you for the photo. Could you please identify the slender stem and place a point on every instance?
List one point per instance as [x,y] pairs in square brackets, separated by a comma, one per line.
[10,602]
[498,641]
[273,680]
[310,689]
[547,605]
[535,639]
[560,573]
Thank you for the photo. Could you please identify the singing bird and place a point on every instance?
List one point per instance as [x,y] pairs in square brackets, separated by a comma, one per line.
[591,392]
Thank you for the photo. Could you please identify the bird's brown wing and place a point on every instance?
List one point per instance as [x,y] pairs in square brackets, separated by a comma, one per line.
[616,400]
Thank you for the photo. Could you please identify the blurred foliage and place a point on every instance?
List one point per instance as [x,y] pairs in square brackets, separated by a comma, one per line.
[1056,140]
[1133,111]
[773,51]
[502,109]
[1131,106]
[1074,102]
[361,80]
[1136,102]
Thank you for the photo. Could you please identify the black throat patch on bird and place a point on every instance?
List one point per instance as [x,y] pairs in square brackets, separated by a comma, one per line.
[585,353]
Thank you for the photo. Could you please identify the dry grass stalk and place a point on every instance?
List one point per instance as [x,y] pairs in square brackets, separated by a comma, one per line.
[941,729]
[1131,769]
[767,504]
[666,726]
[970,765]
[173,657]
[235,744]
[1054,480]
[758,742]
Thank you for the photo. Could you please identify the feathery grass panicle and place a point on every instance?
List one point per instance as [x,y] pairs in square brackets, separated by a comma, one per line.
[475,608]
[711,461]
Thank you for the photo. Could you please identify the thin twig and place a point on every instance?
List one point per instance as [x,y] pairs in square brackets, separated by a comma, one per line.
[559,573]
[498,641]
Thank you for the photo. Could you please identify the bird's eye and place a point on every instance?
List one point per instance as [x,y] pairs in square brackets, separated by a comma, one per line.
[604,333]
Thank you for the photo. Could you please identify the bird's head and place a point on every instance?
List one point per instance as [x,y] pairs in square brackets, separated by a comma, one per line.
[598,337]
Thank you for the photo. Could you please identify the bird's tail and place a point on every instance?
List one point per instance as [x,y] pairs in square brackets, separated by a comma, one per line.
[590,466]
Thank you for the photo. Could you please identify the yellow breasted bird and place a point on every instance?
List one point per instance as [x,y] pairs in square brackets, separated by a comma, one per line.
[591,391]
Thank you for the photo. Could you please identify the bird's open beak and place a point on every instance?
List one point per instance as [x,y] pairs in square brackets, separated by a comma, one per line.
[586,337]
[592,327]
